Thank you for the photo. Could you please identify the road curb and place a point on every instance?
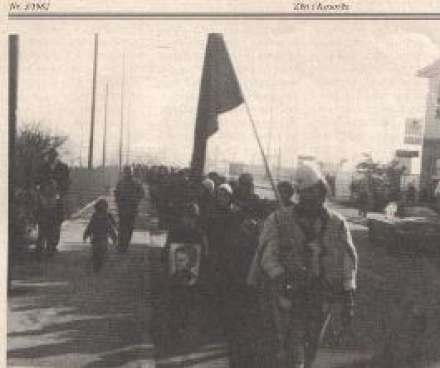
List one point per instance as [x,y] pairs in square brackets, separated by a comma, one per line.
[80,212]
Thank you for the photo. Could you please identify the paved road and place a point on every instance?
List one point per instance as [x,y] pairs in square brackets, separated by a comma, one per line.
[63,315]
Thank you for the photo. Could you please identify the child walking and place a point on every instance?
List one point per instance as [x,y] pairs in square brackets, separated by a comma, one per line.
[101,226]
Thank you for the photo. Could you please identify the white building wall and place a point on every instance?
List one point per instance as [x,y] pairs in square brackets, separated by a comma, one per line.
[432,118]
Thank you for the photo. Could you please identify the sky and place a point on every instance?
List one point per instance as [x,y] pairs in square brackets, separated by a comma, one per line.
[332,89]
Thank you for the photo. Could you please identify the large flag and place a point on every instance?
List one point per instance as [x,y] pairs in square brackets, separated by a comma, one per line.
[219,92]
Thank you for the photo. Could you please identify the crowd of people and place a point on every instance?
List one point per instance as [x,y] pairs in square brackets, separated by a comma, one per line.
[47,201]
[372,196]
[265,274]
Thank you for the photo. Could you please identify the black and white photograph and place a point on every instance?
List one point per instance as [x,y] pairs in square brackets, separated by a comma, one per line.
[223,189]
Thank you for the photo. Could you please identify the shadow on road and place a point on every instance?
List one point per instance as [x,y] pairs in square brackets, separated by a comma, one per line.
[121,358]
[60,307]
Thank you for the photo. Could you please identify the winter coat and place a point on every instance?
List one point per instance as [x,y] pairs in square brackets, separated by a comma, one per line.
[101,227]
[59,172]
[128,194]
[284,250]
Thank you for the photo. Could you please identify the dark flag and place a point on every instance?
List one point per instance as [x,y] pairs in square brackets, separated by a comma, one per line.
[219,92]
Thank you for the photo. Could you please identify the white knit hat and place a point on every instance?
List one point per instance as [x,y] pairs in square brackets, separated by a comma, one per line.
[307,175]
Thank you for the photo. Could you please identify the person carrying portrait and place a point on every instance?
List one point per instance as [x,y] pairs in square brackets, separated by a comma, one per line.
[186,230]
[180,312]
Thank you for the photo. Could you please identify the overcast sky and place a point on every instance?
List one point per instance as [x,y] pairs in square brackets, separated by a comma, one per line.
[333,89]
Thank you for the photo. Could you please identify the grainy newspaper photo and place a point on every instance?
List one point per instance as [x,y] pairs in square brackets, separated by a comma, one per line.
[204,188]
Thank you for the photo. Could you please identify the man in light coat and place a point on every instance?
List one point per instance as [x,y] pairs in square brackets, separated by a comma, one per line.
[305,262]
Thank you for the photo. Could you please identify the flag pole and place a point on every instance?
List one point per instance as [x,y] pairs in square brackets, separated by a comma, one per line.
[260,146]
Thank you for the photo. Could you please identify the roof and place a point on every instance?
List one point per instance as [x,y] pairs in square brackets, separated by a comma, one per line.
[430,71]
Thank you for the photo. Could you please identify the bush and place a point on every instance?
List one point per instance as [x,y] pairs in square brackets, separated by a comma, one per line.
[30,145]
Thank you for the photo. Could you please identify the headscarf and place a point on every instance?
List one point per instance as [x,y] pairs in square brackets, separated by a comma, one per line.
[226,187]
[209,185]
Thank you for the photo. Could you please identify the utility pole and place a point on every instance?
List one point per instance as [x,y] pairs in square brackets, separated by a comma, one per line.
[81,145]
[13,89]
[12,97]
[104,139]
[121,134]
[92,122]
[127,151]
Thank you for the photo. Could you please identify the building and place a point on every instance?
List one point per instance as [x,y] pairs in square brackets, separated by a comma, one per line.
[408,161]
[430,171]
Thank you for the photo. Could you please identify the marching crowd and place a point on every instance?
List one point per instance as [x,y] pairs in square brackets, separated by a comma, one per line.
[268,275]
[264,273]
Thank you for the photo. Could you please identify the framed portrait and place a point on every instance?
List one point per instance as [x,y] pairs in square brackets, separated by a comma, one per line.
[185,255]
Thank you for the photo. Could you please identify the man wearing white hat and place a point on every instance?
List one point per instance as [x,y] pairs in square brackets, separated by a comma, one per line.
[306,260]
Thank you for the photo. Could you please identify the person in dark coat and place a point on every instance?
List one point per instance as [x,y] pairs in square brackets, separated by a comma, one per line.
[365,197]
[47,219]
[180,313]
[128,194]
[184,297]
[53,170]
[177,195]
[186,230]
[245,197]
[205,200]
[222,223]
[215,177]
[228,260]
[411,193]
[100,228]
